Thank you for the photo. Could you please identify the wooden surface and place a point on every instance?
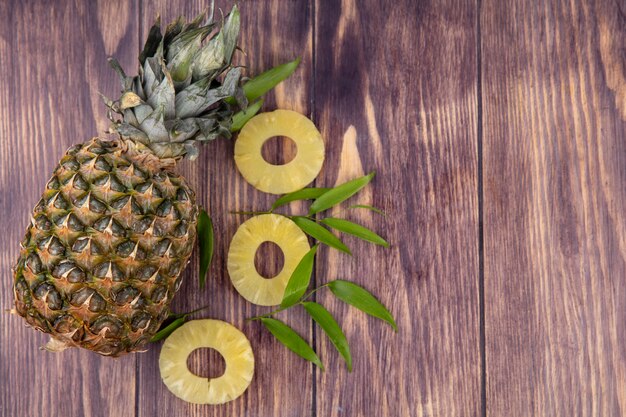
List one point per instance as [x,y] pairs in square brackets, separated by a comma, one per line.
[554,183]
[498,131]
[419,134]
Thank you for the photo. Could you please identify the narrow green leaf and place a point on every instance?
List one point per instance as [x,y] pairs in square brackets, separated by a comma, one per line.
[300,279]
[360,298]
[320,233]
[169,329]
[328,323]
[241,118]
[292,340]
[205,237]
[187,314]
[264,82]
[231,32]
[340,193]
[368,207]
[303,194]
[355,230]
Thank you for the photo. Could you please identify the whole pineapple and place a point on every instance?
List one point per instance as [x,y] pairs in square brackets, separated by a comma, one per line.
[114,229]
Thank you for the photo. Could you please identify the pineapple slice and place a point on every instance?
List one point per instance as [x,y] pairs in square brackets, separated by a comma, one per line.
[231,343]
[243,273]
[279,179]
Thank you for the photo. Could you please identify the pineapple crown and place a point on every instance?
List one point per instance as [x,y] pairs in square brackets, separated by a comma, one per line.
[178,97]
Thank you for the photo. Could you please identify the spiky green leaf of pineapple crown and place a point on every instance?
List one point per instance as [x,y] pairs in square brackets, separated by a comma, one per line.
[177,99]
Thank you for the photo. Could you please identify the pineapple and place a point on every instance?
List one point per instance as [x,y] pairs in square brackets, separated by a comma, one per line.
[231,343]
[102,256]
[279,179]
[250,235]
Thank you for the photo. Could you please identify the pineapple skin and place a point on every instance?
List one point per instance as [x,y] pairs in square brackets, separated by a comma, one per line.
[101,260]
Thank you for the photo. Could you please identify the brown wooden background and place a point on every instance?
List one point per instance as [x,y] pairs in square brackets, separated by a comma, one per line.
[498,131]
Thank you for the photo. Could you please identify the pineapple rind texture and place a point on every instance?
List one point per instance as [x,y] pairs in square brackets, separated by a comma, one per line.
[279,179]
[229,341]
[101,259]
[243,247]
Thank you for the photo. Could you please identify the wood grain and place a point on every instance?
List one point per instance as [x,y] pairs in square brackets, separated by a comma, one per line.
[53,62]
[505,115]
[411,116]
[554,204]
[272,33]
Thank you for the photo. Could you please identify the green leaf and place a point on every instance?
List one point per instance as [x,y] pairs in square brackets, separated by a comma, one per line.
[263,83]
[242,117]
[173,316]
[292,340]
[299,280]
[209,59]
[187,314]
[328,323]
[303,194]
[169,329]
[354,229]
[340,193]
[231,32]
[152,43]
[360,298]
[320,233]
[368,207]
[205,236]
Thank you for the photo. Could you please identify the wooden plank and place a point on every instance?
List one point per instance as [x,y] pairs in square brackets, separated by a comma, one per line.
[53,64]
[554,199]
[396,93]
[272,33]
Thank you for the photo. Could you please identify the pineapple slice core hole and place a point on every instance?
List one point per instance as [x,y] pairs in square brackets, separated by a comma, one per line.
[279,150]
[269,259]
[207,363]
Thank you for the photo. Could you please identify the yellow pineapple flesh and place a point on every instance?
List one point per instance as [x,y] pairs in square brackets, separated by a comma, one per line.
[279,179]
[229,341]
[243,247]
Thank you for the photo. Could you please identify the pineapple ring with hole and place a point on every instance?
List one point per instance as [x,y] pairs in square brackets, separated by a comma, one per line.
[250,235]
[279,179]
[229,341]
